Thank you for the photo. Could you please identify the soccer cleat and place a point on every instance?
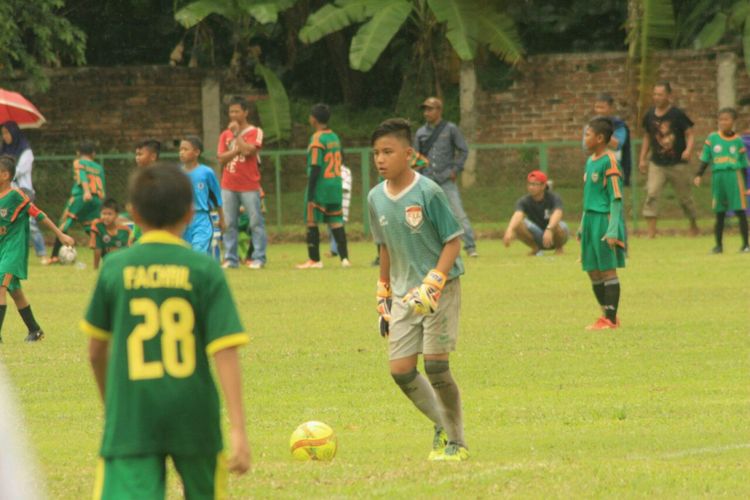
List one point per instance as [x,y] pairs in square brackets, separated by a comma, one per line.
[34,336]
[472,253]
[346,263]
[255,264]
[745,249]
[229,265]
[717,250]
[439,442]
[454,452]
[310,264]
[603,324]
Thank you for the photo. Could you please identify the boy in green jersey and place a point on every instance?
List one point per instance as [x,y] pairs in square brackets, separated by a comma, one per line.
[602,231]
[146,154]
[419,238]
[725,152]
[15,210]
[86,196]
[165,309]
[324,195]
[107,234]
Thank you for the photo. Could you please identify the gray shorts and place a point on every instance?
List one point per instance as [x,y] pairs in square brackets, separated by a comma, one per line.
[437,333]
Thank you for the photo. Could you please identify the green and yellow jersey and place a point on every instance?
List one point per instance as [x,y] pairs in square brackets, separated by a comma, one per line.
[324,151]
[107,241]
[15,210]
[165,309]
[724,152]
[602,182]
[90,173]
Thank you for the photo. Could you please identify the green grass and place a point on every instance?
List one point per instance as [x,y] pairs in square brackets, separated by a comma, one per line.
[658,408]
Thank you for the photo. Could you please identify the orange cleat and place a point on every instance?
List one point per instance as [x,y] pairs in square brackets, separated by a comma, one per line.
[603,324]
[310,264]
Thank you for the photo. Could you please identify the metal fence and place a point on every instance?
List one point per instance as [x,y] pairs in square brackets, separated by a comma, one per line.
[500,180]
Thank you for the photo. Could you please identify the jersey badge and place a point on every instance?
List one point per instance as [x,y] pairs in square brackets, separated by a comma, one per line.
[594,177]
[106,238]
[383,221]
[3,212]
[717,148]
[201,186]
[732,149]
[414,217]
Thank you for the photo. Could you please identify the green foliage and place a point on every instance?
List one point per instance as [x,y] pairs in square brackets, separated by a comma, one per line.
[34,35]
[274,111]
[248,19]
[651,26]
[657,409]
[469,23]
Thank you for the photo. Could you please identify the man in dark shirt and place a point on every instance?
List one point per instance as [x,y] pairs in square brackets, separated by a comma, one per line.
[668,134]
[537,221]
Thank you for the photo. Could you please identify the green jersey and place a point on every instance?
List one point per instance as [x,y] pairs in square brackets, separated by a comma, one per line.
[106,241]
[602,183]
[90,173]
[414,225]
[324,151]
[724,153]
[165,309]
[15,209]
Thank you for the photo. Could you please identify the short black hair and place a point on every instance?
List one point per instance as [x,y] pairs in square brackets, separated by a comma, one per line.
[240,101]
[8,163]
[161,195]
[729,111]
[321,112]
[397,127]
[86,148]
[194,141]
[603,126]
[605,97]
[665,84]
[112,204]
[151,144]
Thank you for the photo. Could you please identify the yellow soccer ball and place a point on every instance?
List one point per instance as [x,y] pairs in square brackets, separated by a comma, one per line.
[313,441]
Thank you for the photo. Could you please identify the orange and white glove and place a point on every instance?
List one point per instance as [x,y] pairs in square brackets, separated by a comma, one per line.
[384,307]
[424,298]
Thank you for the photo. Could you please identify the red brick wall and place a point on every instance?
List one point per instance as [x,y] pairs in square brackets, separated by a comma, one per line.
[116,107]
[553,94]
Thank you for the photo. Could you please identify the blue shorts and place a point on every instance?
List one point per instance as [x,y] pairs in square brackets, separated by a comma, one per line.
[200,232]
[538,233]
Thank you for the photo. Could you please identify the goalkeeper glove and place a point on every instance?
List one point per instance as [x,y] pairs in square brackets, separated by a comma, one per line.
[424,298]
[384,307]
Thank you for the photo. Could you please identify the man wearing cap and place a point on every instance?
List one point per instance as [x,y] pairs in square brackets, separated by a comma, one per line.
[537,221]
[442,143]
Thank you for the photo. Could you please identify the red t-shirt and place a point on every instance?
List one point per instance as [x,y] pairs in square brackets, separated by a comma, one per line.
[241,173]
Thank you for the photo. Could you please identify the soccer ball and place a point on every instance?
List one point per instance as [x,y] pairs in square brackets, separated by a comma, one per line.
[67,255]
[313,441]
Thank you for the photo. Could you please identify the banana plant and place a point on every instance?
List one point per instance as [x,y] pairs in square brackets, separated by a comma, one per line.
[650,26]
[247,19]
[733,21]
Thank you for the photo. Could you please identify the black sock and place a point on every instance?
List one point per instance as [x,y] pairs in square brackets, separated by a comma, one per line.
[743,227]
[611,298]
[598,287]
[339,234]
[56,247]
[313,243]
[28,317]
[2,316]
[719,227]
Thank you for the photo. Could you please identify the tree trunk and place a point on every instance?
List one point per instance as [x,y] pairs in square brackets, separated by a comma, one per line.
[468,89]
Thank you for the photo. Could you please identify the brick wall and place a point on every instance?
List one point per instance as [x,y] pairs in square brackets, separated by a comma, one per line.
[552,95]
[116,107]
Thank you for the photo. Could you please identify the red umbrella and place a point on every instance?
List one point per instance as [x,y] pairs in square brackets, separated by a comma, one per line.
[15,107]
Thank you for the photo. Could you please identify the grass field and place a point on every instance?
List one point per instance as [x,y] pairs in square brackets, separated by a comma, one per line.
[659,408]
